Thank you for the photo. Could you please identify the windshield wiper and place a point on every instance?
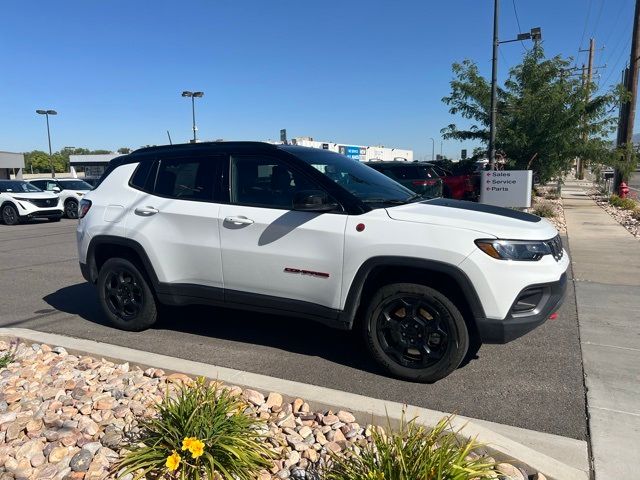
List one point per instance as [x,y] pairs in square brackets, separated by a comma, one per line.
[393,201]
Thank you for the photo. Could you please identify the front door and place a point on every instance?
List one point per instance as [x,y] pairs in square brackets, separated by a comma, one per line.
[270,249]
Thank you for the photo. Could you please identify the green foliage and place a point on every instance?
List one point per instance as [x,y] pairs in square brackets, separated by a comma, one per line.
[544,210]
[233,447]
[413,453]
[38,161]
[623,203]
[635,214]
[544,118]
[124,150]
[6,359]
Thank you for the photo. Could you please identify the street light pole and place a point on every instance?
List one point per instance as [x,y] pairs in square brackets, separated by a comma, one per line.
[193,96]
[494,87]
[433,149]
[46,113]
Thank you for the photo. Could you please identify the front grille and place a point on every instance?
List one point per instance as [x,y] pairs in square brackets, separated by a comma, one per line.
[555,245]
[44,202]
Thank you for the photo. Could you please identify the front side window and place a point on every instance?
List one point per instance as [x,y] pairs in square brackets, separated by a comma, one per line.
[266,182]
[369,185]
[186,179]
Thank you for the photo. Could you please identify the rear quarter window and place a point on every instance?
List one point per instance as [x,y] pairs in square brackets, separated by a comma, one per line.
[144,177]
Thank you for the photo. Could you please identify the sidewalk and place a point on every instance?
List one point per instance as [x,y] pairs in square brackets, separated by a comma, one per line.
[606,268]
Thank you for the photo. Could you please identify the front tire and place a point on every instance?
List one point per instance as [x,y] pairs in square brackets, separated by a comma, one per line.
[125,295]
[71,209]
[10,215]
[415,332]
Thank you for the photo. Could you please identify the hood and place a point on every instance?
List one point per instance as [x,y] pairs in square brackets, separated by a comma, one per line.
[486,219]
[31,195]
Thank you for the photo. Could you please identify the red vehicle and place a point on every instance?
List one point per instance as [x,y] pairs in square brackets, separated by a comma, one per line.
[461,182]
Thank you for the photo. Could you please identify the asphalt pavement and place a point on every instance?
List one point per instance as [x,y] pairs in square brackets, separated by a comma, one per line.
[535,382]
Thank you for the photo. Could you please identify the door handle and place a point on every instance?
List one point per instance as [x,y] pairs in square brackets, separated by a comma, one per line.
[146,211]
[239,220]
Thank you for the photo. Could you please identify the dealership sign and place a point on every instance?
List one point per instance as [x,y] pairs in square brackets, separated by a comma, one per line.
[510,188]
[351,152]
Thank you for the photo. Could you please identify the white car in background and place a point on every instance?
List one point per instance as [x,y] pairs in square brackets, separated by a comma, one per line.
[70,191]
[21,201]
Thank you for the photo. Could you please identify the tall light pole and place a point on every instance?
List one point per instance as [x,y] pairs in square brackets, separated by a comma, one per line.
[534,34]
[193,96]
[46,113]
[433,149]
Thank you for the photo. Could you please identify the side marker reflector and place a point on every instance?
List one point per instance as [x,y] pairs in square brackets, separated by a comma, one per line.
[553,316]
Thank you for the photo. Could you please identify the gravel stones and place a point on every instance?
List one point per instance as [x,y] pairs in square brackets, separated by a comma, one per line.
[65,417]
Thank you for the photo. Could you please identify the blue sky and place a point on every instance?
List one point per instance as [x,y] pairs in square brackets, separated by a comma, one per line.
[349,71]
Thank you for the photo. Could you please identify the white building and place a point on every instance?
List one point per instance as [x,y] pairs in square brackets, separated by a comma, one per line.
[358,152]
[93,165]
[10,163]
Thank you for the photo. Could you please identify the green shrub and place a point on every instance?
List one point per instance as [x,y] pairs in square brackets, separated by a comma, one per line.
[623,203]
[636,214]
[544,210]
[200,433]
[6,359]
[412,453]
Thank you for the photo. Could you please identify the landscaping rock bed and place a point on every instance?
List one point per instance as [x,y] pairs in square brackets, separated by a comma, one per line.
[623,217]
[547,196]
[66,416]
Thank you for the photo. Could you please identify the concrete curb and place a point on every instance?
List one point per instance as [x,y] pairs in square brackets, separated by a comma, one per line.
[364,408]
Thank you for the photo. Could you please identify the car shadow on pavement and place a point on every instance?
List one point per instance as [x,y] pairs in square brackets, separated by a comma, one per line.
[290,334]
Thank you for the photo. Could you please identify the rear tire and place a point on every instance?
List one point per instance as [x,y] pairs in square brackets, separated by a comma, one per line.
[415,332]
[10,215]
[125,295]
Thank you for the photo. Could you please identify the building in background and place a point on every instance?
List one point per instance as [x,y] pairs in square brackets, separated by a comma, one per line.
[93,166]
[358,152]
[11,164]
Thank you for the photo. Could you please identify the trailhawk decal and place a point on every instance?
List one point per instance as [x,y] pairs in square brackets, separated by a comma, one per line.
[306,272]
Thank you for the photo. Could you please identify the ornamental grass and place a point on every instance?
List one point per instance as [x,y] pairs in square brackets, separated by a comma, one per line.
[200,433]
[412,453]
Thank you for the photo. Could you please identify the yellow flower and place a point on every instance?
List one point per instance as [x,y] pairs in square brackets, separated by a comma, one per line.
[173,461]
[196,448]
[186,443]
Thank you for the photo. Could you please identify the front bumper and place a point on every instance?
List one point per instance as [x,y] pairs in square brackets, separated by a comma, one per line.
[45,214]
[517,324]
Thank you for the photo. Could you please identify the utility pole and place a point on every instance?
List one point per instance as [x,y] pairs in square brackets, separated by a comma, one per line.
[632,86]
[586,82]
[494,87]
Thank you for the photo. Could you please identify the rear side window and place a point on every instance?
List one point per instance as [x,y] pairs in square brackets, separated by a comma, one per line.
[145,176]
[186,179]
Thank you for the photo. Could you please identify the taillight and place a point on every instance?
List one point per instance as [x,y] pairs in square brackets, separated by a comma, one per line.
[84,207]
[424,183]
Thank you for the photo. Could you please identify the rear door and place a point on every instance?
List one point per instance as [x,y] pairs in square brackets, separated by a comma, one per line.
[175,219]
[284,256]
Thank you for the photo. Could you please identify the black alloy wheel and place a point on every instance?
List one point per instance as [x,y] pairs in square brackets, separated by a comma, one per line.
[125,295]
[10,215]
[415,332]
[411,331]
[71,209]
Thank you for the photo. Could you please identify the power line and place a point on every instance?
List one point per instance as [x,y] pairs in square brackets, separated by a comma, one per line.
[515,11]
[586,22]
[595,25]
[615,22]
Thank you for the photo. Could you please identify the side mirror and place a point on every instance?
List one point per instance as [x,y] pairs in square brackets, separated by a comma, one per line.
[56,190]
[313,201]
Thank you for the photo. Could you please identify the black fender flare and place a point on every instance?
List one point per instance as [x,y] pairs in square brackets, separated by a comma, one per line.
[354,296]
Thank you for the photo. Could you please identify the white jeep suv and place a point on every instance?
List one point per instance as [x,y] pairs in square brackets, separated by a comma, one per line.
[319,236]
[70,191]
[21,201]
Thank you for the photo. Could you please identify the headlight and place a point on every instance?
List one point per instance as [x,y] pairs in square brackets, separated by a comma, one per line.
[524,250]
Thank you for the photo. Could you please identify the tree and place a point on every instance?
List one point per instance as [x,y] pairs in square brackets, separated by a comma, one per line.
[545,119]
[38,161]
[124,150]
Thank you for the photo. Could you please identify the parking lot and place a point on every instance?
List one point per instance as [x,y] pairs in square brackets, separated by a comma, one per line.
[534,382]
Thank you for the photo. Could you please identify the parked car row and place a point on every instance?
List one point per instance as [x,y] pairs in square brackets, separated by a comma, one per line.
[49,198]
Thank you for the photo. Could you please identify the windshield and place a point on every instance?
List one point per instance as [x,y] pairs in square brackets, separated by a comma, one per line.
[362,181]
[15,186]
[75,185]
